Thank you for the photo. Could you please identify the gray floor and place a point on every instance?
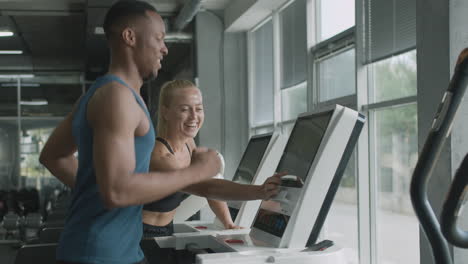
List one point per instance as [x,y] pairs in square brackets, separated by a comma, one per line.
[7,254]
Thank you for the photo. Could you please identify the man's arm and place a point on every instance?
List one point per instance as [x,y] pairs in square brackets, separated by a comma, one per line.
[57,154]
[114,116]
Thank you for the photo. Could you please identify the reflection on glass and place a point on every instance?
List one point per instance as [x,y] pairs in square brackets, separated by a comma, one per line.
[251,160]
[335,17]
[294,101]
[396,153]
[394,77]
[33,174]
[8,154]
[337,76]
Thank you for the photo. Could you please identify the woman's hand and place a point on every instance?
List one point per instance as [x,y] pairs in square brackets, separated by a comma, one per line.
[270,187]
[233,226]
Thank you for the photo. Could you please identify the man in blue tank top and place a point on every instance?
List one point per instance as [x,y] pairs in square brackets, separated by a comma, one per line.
[114,136]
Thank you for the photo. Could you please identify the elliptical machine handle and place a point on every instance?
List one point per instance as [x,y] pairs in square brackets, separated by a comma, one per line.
[430,153]
[452,206]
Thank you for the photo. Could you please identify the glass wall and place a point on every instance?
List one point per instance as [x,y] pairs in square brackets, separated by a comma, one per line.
[30,109]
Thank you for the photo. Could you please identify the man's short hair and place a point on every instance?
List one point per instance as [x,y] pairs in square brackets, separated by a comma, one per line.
[122,10]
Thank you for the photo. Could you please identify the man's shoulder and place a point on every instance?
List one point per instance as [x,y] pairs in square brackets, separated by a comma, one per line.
[113,101]
[113,92]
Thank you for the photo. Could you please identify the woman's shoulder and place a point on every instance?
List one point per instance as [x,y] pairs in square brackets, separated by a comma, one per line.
[162,158]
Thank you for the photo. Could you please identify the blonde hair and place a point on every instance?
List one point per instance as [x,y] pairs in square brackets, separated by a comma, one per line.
[165,97]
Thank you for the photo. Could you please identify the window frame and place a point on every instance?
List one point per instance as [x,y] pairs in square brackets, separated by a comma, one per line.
[327,49]
[369,109]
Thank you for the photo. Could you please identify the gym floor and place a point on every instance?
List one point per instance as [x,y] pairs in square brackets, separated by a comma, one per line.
[7,253]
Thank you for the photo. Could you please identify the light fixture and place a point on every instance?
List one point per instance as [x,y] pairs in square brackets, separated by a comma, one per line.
[35,102]
[99,31]
[11,52]
[178,37]
[16,76]
[6,33]
[22,84]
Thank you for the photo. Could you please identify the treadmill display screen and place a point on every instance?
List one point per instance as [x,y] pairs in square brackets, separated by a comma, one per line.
[251,159]
[301,149]
[296,161]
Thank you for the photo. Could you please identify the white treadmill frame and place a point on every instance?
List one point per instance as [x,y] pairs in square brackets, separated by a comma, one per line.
[315,189]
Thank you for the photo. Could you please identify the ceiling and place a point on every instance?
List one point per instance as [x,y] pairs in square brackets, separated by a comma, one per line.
[62,50]
[59,35]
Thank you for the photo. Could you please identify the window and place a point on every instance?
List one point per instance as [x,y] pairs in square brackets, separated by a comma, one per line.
[345,210]
[394,78]
[335,16]
[396,150]
[337,76]
[293,101]
[394,153]
[293,85]
[27,122]
[335,83]
[293,44]
[262,90]
[278,59]
[390,28]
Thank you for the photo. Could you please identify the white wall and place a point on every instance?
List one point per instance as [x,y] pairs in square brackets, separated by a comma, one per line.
[209,48]
[236,100]
[221,72]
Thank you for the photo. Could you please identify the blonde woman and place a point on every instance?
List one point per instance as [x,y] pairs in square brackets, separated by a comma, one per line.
[180,117]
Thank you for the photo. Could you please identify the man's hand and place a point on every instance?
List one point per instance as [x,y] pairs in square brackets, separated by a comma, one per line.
[271,186]
[207,162]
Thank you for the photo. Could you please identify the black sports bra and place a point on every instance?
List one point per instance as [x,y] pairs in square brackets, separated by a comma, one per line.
[172,201]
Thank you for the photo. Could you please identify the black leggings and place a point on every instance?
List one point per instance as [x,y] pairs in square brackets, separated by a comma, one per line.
[156,255]
[158,231]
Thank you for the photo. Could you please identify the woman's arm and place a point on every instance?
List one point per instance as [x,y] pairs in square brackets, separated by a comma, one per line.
[221,211]
[228,190]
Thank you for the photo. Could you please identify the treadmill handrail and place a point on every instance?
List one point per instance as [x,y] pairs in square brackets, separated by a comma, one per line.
[430,153]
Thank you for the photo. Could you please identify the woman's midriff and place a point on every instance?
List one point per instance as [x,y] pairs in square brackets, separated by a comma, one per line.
[158,218]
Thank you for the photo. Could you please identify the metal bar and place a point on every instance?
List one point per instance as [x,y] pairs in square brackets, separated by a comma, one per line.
[452,207]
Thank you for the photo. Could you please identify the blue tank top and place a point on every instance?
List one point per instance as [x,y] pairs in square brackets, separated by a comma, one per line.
[92,233]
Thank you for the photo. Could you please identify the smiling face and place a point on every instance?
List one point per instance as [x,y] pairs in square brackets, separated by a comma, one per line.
[184,114]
